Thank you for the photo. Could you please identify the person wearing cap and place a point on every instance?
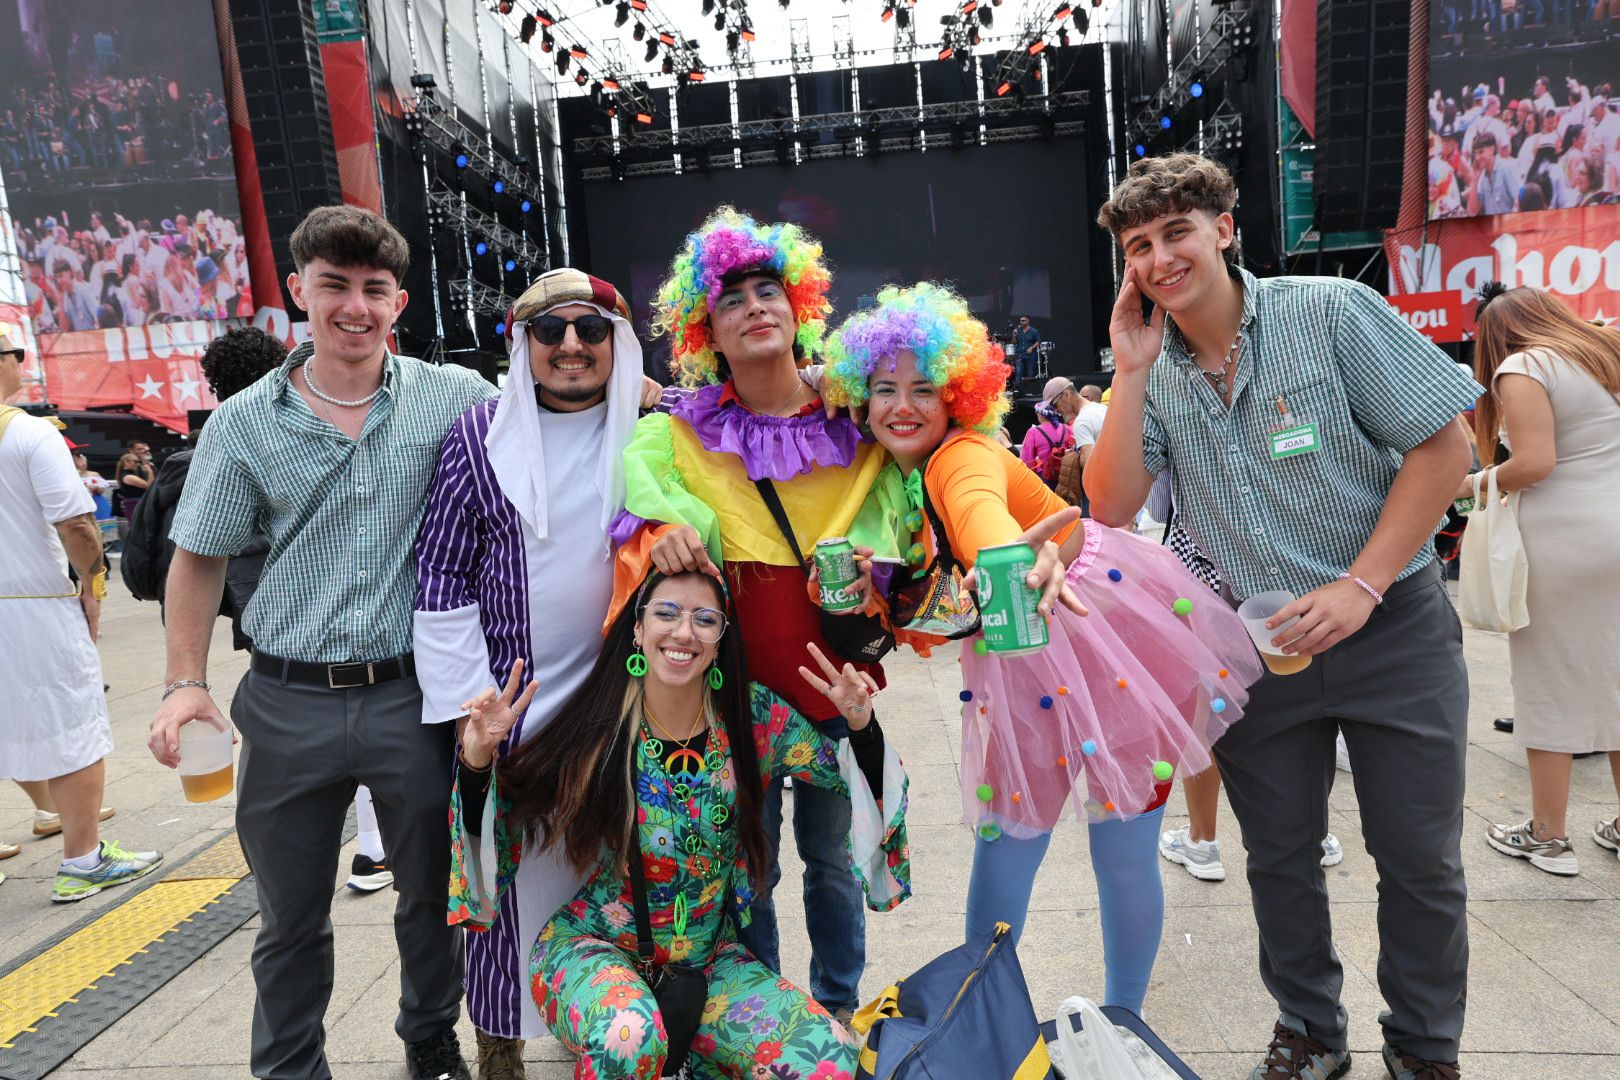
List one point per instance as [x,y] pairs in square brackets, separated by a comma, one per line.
[332,456]
[744,304]
[54,725]
[210,305]
[514,564]
[1051,436]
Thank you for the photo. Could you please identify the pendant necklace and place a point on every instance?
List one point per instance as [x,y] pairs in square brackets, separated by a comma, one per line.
[1220,380]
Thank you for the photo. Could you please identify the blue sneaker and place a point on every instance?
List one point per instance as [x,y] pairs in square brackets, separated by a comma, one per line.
[1294,1055]
[1403,1066]
[117,867]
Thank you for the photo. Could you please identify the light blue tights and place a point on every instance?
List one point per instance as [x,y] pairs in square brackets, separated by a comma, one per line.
[1130,896]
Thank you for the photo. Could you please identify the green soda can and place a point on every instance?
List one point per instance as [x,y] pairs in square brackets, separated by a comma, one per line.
[1007,606]
[835,565]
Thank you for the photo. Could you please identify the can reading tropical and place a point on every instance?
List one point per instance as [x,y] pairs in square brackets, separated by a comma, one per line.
[1007,606]
[835,565]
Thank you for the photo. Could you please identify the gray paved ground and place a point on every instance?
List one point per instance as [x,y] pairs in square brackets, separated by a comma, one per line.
[1545,981]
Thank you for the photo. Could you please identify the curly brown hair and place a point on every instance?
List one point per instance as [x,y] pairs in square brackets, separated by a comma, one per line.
[1176,183]
[349,237]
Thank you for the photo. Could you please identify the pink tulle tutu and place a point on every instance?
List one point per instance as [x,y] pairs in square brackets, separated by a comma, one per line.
[1080,725]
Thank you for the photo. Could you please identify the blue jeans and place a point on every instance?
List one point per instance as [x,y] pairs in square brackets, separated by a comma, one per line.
[834,914]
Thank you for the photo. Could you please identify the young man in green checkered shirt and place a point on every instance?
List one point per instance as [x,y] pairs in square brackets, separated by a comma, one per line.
[1312,440]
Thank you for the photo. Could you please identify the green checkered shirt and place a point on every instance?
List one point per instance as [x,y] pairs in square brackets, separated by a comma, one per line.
[1336,354]
[342,514]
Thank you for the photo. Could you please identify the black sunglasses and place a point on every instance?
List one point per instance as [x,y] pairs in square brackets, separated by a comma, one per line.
[20,354]
[592,329]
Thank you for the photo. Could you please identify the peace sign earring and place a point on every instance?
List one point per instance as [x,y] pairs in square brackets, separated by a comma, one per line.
[636,662]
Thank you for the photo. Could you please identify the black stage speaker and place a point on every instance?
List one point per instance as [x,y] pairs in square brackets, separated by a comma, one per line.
[1361,57]
[285,88]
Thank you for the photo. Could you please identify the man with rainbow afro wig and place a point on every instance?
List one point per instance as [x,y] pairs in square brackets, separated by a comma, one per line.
[745,304]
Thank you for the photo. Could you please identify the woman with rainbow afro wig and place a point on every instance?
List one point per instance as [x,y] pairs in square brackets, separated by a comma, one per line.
[728,245]
[1097,721]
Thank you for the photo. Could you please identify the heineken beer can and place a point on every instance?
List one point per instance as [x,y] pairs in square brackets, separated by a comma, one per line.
[835,565]
[1007,606]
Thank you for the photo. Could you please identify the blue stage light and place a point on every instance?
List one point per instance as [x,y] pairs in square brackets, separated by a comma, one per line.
[500,186]
[1141,151]
[500,328]
[463,160]
[511,265]
[1196,89]
[1164,122]
[480,248]
[527,206]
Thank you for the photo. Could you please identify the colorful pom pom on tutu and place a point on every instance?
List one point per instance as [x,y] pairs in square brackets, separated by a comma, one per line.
[985,792]
[989,832]
[966,695]
[1046,701]
[1218,705]
[1182,606]
[1115,575]
[981,646]
[1088,747]
[1163,770]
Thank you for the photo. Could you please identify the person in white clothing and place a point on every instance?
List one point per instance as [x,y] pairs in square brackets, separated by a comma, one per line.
[1089,420]
[53,715]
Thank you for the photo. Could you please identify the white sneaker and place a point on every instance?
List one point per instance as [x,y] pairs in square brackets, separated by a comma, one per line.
[1341,754]
[1332,850]
[1202,858]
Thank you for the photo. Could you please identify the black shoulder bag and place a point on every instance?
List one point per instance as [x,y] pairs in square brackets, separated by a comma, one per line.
[681,990]
[861,638]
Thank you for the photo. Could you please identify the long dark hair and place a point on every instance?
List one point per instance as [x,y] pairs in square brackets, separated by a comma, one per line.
[573,784]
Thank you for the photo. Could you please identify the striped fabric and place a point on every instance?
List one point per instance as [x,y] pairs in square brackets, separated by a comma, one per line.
[340,580]
[1331,352]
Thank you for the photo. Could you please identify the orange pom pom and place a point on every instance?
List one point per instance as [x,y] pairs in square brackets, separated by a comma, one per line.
[1063,762]
[1109,807]
[1123,683]
[1017,797]
[1224,673]
[1063,691]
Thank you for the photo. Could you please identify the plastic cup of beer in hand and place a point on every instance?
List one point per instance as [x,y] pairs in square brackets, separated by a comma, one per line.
[1254,612]
[205,761]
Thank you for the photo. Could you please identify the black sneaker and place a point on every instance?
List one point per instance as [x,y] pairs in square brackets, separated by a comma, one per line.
[437,1058]
[368,876]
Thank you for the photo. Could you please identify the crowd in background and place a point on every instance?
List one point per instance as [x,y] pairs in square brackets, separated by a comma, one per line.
[132,274]
[1494,154]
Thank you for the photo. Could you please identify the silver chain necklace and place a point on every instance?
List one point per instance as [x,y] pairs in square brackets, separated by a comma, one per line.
[1219,379]
[309,381]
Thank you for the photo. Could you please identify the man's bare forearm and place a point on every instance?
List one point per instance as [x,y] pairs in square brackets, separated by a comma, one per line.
[191,601]
[81,539]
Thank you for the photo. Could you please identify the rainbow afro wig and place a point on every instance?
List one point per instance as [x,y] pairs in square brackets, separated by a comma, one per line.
[953,350]
[721,249]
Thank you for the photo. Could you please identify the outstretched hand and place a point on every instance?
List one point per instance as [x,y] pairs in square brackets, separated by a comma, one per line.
[490,717]
[1050,575]
[850,689]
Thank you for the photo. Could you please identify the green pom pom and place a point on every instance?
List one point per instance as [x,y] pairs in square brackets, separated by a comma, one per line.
[990,832]
[914,520]
[1163,770]
[985,792]
[1182,607]
[981,647]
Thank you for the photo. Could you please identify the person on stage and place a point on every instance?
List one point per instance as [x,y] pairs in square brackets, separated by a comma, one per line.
[1026,346]
[514,564]
[744,304]
[1097,721]
[658,763]
[1312,440]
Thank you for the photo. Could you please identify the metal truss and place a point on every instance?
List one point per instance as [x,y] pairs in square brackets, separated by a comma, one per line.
[480,299]
[766,156]
[1016,64]
[447,209]
[801,57]
[902,117]
[1231,32]
[619,83]
[427,120]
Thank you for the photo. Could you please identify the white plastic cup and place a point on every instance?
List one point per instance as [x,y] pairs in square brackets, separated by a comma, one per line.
[1254,612]
[206,771]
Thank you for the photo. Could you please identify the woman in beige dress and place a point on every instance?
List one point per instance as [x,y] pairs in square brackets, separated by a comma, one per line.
[1555,384]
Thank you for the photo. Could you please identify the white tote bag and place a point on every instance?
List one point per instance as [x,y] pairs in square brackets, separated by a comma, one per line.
[1098,1051]
[1495,572]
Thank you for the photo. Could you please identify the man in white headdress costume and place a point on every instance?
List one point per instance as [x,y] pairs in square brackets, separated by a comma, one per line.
[513,562]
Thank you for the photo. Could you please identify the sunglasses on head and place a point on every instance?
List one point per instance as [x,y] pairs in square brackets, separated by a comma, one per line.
[592,329]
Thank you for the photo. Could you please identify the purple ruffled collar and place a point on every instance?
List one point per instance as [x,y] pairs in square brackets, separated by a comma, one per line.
[771,447]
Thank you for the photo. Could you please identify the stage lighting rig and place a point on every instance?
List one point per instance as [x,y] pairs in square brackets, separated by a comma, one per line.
[476,298]
[431,125]
[1229,40]
[450,211]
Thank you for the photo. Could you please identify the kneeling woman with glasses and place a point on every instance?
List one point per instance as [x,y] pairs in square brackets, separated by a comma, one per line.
[658,764]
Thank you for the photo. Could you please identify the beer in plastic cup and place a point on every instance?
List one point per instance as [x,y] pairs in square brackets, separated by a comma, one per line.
[1254,612]
[205,761]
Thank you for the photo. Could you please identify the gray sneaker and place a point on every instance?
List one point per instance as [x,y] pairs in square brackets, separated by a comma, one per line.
[1555,856]
[117,867]
[1607,835]
[1202,858]
[1332,850]
[1294,1055]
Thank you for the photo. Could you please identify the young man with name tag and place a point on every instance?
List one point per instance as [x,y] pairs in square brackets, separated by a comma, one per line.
[1312,439]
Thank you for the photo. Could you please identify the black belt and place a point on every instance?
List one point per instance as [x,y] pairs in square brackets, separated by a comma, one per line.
[335,676]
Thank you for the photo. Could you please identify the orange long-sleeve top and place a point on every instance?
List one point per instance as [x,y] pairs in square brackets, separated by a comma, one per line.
[985,495]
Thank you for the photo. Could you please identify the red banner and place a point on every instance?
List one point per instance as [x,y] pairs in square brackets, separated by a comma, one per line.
[1297,59]
[1574,254]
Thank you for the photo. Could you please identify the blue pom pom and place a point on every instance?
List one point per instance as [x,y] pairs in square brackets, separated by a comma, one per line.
[1218,705]
[967,695]
[1088,747]
[1115,575]
[1046,701]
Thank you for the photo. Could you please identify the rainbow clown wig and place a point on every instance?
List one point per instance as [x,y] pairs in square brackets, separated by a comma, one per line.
[953,350]
[723,249]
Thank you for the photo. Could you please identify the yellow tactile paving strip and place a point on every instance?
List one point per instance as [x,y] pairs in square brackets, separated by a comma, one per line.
[34,991]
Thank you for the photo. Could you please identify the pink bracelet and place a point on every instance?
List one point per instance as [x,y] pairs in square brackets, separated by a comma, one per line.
[1378,597]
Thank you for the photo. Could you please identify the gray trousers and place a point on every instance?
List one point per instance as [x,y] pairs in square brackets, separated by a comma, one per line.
[1398,689]
[303,752]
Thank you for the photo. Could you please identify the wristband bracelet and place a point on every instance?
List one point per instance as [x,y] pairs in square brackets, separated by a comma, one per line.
[181,684]
[1378,597]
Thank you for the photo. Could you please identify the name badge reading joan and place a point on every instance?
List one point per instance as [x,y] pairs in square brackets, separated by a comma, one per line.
[1298,438]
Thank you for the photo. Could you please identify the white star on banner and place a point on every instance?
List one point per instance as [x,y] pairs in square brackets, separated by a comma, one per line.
[150,387]
[1599,317]
[186,388]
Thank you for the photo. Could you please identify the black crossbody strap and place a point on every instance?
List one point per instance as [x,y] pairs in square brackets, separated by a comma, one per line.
[638,892]
[773,503]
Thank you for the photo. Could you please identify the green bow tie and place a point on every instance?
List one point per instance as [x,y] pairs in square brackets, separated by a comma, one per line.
[914,490]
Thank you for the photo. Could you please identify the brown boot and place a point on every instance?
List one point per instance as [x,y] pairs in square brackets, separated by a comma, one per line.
[498,1058]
